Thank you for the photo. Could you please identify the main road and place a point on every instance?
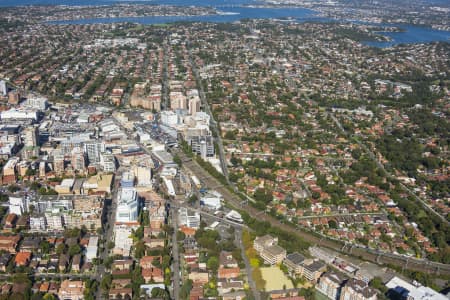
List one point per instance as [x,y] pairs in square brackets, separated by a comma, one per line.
[108,232]
[175,253]
[213,122]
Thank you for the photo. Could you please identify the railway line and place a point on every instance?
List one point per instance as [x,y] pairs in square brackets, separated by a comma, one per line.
[368,254]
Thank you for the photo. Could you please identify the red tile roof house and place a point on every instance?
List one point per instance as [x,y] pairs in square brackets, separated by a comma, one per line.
[153,274]
[149,271]
[22,258]
[120,267]
[228,273]
[9,243]
[148,261]
[196,293]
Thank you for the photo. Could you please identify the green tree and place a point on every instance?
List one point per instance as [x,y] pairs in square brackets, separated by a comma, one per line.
[30,172]
[139,250]
[263,195]
[332,224]
[180,236]
[177,160]
[235,161]
[72,233]
[186,289]
[35,296]
[230,135]
[61,249]
[108,262]
[13,188]
[168,229]
[21,278]
[160,293]
[157,262]
[378,284]
[74,249]
[90,288]
[307,293]
[49,296]
[105,284]
[259,280]
[213,264]
[144,218]
[137,280]
[45,246]
[192,199]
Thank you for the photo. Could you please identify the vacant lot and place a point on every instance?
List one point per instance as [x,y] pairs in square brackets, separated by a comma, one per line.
[275,279]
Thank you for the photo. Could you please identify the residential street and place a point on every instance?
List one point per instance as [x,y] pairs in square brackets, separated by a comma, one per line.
[248,269]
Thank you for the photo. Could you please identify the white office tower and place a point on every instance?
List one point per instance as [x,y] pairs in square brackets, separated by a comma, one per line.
[93,150]
[127,206]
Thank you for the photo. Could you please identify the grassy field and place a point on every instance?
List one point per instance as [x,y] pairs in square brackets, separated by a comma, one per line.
[319,296]
[275,279]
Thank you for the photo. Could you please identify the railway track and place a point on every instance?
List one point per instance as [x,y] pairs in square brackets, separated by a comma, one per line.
[374,256]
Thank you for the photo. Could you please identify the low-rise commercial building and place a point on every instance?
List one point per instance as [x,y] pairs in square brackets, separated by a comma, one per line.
[189,218]
[407,291]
